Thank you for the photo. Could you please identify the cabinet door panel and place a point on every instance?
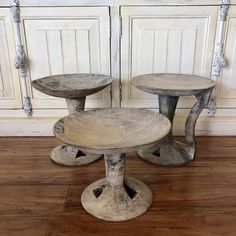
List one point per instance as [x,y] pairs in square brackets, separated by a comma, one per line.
[67,40]
[165,40]
[10,95]
[226,89]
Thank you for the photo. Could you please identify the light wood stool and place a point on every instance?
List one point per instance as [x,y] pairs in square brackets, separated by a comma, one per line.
[113,132]
[169,87]
[74,88]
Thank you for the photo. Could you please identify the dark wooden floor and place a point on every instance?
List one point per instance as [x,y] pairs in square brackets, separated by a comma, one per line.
[39,198]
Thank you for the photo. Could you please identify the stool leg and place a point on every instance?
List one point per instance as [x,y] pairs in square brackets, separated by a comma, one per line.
[171,152]
[202,101]
[68,155]
[75,105]
[116,198]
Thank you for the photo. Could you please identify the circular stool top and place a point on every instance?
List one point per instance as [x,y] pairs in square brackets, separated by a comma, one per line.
[72,85]
[172,84]
[114,130]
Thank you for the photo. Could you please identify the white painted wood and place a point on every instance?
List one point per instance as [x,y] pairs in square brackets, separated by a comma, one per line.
[69,51]
[194,28]
[188,51]
[54,48]
[178,39]
[226,89]
[113,2]
[10,95]
[67,40]
[173,58]
[115,29]
[58,113]
[159,61]
[83,51]
[38,126]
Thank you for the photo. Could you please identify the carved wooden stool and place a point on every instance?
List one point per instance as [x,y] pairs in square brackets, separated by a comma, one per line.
[113,132]
[169,87]
[74,88]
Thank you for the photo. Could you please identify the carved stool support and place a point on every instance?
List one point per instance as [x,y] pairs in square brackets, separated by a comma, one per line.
[116,198]
[74,88]
[171,152]
[169,87]
[68,155]
[75,105]
[113,132]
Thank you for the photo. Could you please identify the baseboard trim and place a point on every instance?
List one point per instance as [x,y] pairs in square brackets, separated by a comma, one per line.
[32,126]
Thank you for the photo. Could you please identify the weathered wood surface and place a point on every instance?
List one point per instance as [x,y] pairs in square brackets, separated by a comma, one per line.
[72,156]
[72,85]
[74,88]
[172,84]
[67,155]
[169,87]
[114,130]
[116,197]
[201,194]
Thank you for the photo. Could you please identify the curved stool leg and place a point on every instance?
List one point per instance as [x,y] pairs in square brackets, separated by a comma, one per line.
[68,155]
[171,152]
[116,198]
[202,101]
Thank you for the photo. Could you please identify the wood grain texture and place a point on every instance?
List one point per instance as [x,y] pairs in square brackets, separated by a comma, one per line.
[113,130]
[172,84]
[40,199]
[72,85]
[169,87]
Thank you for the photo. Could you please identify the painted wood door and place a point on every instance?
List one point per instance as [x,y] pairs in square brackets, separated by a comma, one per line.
[67,40]
[226,86]
[10,94]
[165,40]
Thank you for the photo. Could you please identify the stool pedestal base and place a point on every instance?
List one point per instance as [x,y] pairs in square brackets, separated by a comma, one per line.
[172,154]
[67,155]
[127,203]
[116,198]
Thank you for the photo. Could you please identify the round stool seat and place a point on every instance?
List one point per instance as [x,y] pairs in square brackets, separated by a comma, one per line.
[74,88]
[172,84]
[72,85]
[113,132]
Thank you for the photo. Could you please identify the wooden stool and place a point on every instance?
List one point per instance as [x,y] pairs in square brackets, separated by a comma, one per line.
[169,87]
[113,132]
[74,88]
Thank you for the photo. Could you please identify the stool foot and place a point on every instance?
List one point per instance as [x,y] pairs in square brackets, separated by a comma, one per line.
[67,155]
[169,154]
[126,203]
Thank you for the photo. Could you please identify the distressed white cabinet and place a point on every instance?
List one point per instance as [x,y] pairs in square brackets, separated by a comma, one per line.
[226,89]
[10,95]
[67,40]
[165,39]
[122,38]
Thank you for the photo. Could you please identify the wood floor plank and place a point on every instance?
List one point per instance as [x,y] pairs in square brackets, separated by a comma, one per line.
[39,198]
[195,222]
[32,200]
